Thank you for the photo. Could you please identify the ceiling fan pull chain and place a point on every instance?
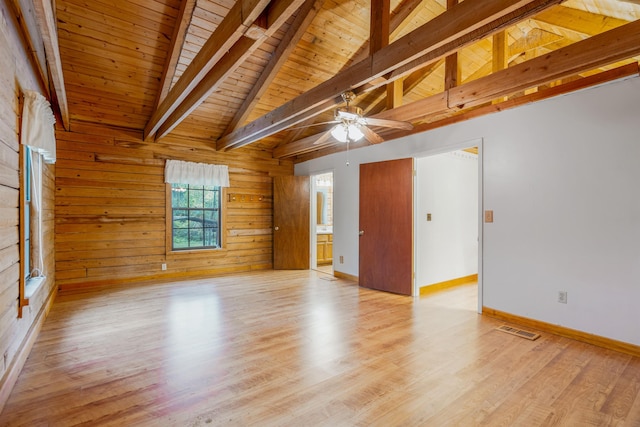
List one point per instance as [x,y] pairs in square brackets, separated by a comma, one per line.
[348,140]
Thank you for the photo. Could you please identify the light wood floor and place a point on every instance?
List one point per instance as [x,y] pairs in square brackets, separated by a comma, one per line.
[293,349]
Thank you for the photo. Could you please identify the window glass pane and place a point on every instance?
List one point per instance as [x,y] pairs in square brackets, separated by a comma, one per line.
[210,199]
[179,196]
[210,237]
[195,198]
[195,218]
[180,218]
[196,238]
[180,238]
[211,218]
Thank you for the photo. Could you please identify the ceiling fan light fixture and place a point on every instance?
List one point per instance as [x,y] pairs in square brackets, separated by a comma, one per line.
[355,134]
[344,131]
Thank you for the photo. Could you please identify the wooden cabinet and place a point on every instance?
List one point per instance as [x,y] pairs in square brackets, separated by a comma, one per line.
[325,248]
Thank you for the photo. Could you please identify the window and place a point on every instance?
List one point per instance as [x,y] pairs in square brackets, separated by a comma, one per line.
[195,217]
[26,212]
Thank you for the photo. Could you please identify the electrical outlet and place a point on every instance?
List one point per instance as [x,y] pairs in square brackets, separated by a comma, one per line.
[164,267]
[341,259]
[562,297]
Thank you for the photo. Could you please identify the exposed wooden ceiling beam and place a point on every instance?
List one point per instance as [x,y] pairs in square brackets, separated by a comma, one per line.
[279,12]
[49,30]
[175,49]
[379,25]
[452,71]
[238,20]
[400,17]
[304,17]
[31,37]
[599,50]
[444,34]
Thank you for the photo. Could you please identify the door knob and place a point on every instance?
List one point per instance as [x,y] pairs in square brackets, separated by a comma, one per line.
[361,233]
[276,228]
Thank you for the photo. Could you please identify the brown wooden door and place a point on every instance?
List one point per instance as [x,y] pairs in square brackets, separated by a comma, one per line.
[386,226]
[291,204]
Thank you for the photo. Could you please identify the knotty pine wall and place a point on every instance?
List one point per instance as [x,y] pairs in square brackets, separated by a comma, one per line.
[111,208]
[17,73]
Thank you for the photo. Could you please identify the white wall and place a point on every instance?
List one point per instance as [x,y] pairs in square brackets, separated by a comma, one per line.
[446,246]
[562,177]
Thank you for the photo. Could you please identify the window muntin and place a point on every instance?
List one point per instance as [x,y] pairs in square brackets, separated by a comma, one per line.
[195,217]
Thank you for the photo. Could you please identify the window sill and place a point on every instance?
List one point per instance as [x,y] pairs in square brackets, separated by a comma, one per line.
[192,251]
[32,285]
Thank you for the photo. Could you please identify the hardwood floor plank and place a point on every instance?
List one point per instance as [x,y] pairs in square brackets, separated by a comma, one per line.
[275,348]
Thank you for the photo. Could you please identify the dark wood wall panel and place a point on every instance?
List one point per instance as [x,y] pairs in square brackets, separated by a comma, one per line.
[111,208]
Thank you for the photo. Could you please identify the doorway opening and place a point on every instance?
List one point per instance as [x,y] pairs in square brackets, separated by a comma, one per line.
[322,222]
[447,221]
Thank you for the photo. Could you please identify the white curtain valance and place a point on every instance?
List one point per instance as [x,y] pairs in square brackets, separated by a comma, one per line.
[180,172]
[38,131]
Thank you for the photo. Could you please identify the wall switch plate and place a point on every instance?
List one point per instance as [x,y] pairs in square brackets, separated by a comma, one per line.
[164,267]
[488,216]
[341,259]
[428,217]
[562,297]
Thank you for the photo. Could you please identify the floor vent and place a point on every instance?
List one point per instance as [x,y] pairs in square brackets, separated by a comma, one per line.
[519,332]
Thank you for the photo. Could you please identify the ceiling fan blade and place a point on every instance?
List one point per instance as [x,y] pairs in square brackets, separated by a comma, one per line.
[371,136]
[332,122]
[388,123]
[323,138]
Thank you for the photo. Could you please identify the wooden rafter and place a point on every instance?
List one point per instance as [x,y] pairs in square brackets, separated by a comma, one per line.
[305,15]
[279,12]
[379,26]
[400,17]
[469,21]
[175,49]
[237,21]
[451,67]
[49,30]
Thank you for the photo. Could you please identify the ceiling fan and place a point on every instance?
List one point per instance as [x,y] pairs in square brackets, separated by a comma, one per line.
[352,126]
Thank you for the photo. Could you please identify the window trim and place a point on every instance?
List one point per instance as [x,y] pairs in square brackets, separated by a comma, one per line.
[169,225]
[23,301]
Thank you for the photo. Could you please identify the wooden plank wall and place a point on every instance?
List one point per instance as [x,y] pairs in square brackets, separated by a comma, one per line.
[17,74]
[110,208]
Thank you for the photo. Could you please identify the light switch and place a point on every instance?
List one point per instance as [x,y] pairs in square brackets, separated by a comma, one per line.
[428,217]
[488,216]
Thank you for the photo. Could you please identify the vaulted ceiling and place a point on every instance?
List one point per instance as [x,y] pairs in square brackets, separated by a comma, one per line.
[256,72]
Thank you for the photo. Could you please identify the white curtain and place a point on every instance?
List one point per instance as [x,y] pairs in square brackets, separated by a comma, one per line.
[180,172]
[38,131]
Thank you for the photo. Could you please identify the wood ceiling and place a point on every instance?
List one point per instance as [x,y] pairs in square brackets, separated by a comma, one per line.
[251,71]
